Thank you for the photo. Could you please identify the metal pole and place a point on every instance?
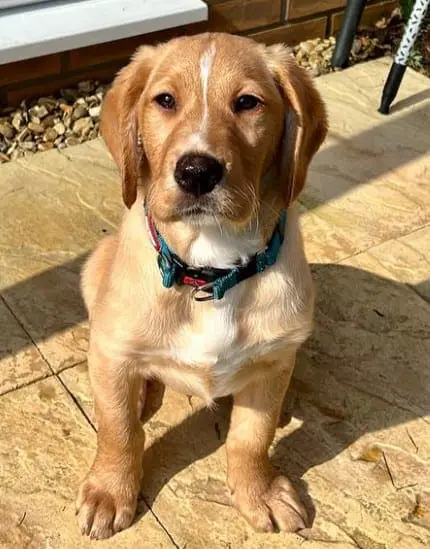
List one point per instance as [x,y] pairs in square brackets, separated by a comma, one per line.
[353,11]
[398,67]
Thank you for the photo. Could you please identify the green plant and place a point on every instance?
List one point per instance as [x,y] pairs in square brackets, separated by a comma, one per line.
[415,60]
[406,6]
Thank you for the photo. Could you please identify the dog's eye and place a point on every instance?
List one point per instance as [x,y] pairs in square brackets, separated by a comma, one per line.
[246,103]
[166,100]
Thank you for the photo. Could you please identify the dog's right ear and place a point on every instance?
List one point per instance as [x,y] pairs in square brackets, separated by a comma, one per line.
[118,124]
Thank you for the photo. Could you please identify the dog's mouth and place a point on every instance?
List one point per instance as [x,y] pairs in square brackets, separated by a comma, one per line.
[200,208]
[195,211]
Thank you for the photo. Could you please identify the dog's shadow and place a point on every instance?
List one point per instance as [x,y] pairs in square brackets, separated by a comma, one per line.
[362,371]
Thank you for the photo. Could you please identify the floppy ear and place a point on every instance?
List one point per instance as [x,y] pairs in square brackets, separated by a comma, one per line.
[305,123]
[118,124]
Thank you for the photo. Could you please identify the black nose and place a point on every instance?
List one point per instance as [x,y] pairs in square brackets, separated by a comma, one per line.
[198,173]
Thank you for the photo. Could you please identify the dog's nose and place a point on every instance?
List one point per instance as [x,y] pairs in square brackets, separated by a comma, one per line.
[198,173]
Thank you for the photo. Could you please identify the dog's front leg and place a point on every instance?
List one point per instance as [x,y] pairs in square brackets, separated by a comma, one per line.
[107,497]
[267,500]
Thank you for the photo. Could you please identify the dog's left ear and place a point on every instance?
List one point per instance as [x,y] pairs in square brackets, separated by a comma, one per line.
[305,124]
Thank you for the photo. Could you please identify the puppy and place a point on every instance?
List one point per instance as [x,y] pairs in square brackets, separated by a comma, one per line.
[206,287]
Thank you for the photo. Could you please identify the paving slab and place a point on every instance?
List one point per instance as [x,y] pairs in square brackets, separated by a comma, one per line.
[406,259]
[20,360]
[354,433]
[370,181]
[46,447]
[55,208]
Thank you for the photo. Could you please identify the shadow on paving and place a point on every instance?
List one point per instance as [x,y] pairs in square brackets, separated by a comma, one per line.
[362,371]
[50,303]
[46,304]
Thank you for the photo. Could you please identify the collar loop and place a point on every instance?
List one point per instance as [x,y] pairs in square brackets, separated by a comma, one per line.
[212,282]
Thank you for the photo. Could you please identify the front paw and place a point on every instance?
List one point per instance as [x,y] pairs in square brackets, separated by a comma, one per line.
[106,504]
[274,507]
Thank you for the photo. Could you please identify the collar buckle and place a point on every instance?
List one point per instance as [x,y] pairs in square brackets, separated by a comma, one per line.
[207,289]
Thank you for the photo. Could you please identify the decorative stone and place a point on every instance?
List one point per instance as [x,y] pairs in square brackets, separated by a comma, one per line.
[17,120]
[80,111]
[48,102]
[45,146]
[39,111]
[23,135]
[95,111]
[35,128]
[60,128]
[28,145]
[71,141]
[6,129]
[49,121]
[82,126]
[65,108]
[50,135]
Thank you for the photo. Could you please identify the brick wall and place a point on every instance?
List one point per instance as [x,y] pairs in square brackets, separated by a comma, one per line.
[289,21]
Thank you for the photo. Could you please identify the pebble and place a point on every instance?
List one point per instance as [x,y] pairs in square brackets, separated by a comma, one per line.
[29,145]
[95,111]
[82,126]
[17,120]
[48,102]
[50,135]
[45,146]
[22,136]
[60,128]
[66,108]
[39,111]
[80,111]
[49,121]
[73,117]
[71,140]
[6,129]
[35,127]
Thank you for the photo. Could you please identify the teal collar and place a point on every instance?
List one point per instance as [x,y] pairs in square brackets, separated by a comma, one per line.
[212,282]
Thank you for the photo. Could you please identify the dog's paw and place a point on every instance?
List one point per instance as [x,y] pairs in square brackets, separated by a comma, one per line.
[104,507]
[278,508]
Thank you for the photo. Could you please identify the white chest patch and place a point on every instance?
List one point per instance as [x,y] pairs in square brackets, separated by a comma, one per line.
[212,341]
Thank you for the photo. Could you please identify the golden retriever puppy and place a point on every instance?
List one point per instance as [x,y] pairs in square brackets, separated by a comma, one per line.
[206,287]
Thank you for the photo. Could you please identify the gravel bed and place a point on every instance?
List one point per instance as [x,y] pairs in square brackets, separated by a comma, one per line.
[73,116]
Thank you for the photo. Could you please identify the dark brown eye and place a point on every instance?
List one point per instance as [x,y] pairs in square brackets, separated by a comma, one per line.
[246,103]
[166,100]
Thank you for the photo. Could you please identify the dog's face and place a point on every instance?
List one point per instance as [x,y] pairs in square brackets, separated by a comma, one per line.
[201,120]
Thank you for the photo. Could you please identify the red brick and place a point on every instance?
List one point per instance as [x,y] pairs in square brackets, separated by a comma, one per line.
[371,15]
[242,15]
[228,16]
[51,86]
[30,68]
[304,8]
[122,49]
[293,33]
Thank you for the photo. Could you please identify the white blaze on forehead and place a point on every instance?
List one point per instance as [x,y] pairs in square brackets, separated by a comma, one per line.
[206,62]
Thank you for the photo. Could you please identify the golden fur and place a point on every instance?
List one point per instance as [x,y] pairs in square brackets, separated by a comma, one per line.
[245,344]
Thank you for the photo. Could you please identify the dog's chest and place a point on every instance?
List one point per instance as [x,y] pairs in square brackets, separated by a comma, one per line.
[214,339]
[213,336]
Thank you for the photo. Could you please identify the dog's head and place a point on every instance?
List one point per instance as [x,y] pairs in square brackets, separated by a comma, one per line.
[199,122]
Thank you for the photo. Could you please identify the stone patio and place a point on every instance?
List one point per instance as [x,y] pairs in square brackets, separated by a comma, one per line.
[354,434]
